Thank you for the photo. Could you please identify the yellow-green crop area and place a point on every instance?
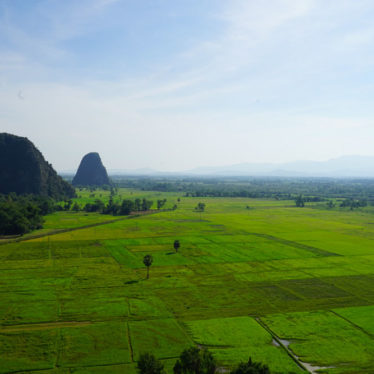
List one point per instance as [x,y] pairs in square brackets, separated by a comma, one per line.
[79,302]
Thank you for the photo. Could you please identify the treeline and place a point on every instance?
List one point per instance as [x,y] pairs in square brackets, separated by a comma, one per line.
[20,214]
[123,208]
[346,203]
[196,361]
[255,187]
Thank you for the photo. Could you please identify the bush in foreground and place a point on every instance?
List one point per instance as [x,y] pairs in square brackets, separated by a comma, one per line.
[149,364]
[196,361]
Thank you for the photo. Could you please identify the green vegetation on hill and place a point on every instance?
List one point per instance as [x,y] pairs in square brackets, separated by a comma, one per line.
[23,170]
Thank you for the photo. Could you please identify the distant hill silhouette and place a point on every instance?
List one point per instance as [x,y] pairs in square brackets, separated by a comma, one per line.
[91,172]
[24,170]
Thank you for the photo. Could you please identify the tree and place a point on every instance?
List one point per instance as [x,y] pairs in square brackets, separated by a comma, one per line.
[251,367]
[195,361]
[127,207]
[146,204]
[200,207]
[330,204]
[148,364]
[299,201]
[76,207]
[147,261]
[176,245]
[160,203]
[68,204]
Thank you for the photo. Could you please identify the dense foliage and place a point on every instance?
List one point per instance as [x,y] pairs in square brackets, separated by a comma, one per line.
[24,170]
[119,209]
[194,360]
[21,214]
[251,367]
[149,364]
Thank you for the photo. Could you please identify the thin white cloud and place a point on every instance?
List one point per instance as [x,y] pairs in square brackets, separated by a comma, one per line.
[265,87]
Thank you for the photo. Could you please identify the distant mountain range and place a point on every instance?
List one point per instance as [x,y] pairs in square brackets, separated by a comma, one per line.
[341,167]
[345,166]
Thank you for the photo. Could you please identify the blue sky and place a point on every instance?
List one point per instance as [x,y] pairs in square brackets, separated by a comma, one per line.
[173,85]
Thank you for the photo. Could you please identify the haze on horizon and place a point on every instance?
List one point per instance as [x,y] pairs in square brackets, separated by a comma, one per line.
[172,85]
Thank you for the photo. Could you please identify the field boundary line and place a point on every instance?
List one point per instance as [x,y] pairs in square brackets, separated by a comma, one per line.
[129,340]
[293,244]
[353,324]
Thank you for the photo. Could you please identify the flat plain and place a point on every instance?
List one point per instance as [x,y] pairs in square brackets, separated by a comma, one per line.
[292,287]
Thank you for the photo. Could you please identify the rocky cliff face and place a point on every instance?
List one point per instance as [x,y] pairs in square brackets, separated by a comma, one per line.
[24,170]
[91,172]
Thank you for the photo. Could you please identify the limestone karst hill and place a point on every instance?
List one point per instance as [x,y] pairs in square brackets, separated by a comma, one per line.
[24,170]
[91,172]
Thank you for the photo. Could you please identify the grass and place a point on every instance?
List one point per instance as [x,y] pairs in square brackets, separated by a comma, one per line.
[335,343]
[235,339]
[78,301]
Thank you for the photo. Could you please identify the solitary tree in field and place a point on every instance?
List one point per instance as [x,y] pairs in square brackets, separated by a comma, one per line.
[147,261]
[148,364]
[200,208]
[176,245]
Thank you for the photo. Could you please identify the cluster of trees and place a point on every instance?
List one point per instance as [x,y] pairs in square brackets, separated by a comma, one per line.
[123,208]
[196,361]
[353,203]
[20,214]
[300,200]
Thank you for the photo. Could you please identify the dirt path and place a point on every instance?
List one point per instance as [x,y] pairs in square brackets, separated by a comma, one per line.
[42,326]
[61,231]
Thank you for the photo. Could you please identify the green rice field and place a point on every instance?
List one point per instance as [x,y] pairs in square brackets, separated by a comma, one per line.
[291,287]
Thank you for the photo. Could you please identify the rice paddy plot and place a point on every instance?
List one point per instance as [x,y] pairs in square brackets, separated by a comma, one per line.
[79,301]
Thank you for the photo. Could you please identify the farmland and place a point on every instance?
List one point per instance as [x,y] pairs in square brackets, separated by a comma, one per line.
[269,281]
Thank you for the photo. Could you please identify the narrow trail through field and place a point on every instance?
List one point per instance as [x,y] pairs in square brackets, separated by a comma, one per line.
[62,231]
[42,326]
